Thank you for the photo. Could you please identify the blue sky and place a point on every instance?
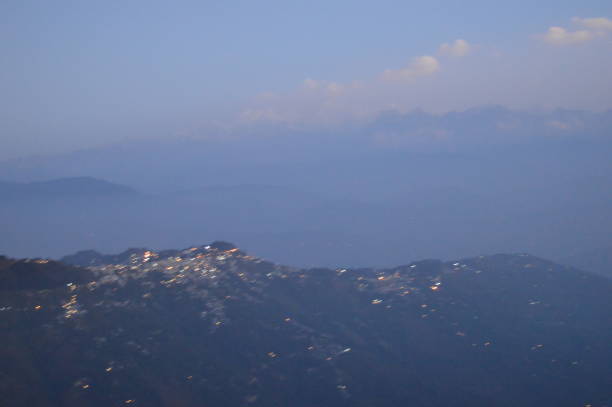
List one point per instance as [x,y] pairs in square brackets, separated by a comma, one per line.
[76,74]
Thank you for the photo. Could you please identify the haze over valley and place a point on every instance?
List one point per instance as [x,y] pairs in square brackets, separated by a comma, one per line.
[359,201]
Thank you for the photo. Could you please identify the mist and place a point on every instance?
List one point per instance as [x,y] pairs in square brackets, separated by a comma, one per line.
[398,188]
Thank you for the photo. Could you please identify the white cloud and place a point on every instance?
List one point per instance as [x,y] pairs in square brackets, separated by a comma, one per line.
[596,23]
[420,66]
[591,28]
[561,36]
[459,48]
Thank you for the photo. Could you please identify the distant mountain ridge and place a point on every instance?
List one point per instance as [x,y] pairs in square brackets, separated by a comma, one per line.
[212,325]
[469,131]
[63,188]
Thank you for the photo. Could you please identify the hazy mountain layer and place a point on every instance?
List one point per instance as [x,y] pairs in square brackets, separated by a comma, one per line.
[399,187]
[62,189]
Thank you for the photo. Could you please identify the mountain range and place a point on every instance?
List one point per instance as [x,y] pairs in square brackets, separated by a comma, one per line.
[63,189]
[398,187]
[213,326]
[359,223]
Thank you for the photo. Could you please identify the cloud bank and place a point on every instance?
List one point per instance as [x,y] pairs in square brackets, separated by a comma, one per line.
[561,36]
[321,101]
[597,23]
[591,28]
[458,78]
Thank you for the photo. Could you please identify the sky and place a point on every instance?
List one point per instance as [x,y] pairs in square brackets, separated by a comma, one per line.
[81,74]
